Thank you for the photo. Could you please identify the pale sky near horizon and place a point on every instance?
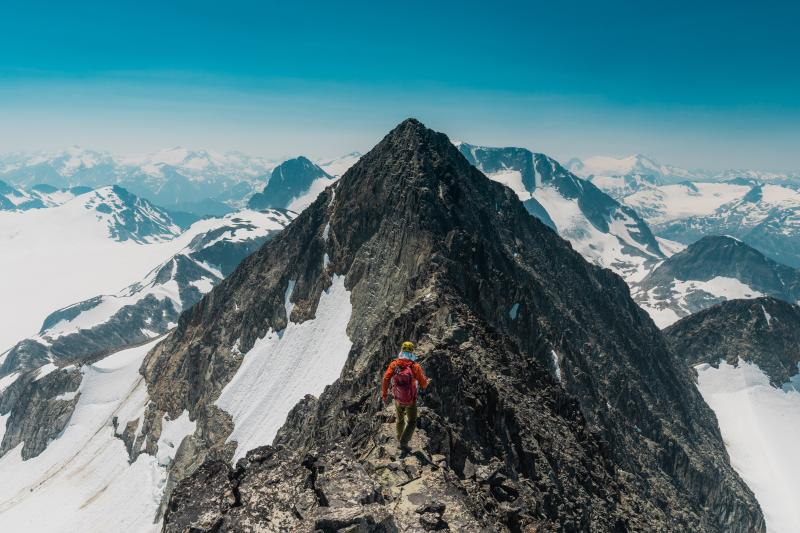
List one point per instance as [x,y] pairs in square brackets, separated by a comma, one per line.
[711,86]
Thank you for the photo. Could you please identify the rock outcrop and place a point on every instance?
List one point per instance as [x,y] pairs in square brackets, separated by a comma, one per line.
[556,404]
[763,331]
[38,407]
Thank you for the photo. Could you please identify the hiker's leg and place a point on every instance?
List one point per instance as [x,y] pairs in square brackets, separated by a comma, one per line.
[411,424]
[400,423]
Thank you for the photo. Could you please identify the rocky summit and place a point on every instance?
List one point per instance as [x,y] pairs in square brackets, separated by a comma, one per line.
[555,405]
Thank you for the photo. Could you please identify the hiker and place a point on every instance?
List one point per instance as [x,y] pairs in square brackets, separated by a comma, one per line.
[404,373]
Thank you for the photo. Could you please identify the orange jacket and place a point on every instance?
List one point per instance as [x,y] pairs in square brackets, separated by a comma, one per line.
[415,369]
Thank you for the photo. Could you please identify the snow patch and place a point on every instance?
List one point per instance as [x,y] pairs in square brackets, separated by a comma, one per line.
[3,422]
[760,425]
[767,316]
[6,381]
[556,365]
[287,303]
[172,434]
[299,203]
[514,311]
[204,285]
[45,370]
[83,481]
[67,396]
[282,367]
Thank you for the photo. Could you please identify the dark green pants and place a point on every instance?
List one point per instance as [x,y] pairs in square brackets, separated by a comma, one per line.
[406,421]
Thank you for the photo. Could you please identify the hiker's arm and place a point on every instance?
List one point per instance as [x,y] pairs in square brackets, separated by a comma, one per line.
[387,377]
[420,375]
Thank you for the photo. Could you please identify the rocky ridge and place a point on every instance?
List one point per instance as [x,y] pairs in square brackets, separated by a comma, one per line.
[557,404]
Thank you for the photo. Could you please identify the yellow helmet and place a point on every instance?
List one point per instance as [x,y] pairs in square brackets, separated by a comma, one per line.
[407,347]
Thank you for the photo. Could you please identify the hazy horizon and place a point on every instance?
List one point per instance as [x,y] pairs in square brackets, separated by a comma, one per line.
[700,87]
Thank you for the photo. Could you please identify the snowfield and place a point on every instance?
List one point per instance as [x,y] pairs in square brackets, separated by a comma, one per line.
[57,256]
[83,481]
[760,425]
[720,287]
[52,258]
[284,366]
[674,202]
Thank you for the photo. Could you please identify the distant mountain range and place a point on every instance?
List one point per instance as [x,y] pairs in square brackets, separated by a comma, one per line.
[710,271]
[620,174]
[81,246]
[150,306]
[556,403]
[760,208]
[196,181]
[604,231]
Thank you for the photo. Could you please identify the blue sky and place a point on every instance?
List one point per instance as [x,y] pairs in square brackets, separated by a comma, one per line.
[713,85]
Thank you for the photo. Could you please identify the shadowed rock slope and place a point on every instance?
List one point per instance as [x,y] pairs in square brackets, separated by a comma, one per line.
[764,331]
[556,404]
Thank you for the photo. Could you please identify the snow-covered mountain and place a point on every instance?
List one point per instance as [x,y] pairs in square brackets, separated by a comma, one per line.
[746,358]
[604,231]
[710,271]
[338,166]
[36,197]
[150,307]
[760,208]
[293,185]
[767,217]
[197,181]
[622,176]
[94,243]
[661,205]
[525,341]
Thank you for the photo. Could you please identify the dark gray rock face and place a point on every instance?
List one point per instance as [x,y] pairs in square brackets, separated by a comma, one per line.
[764,331]
[491,159]
[706,259]
[289,180]
[38,409]
[569,413]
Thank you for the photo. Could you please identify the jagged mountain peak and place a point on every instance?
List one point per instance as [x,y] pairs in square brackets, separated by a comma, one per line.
[515,328]
[292,185]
